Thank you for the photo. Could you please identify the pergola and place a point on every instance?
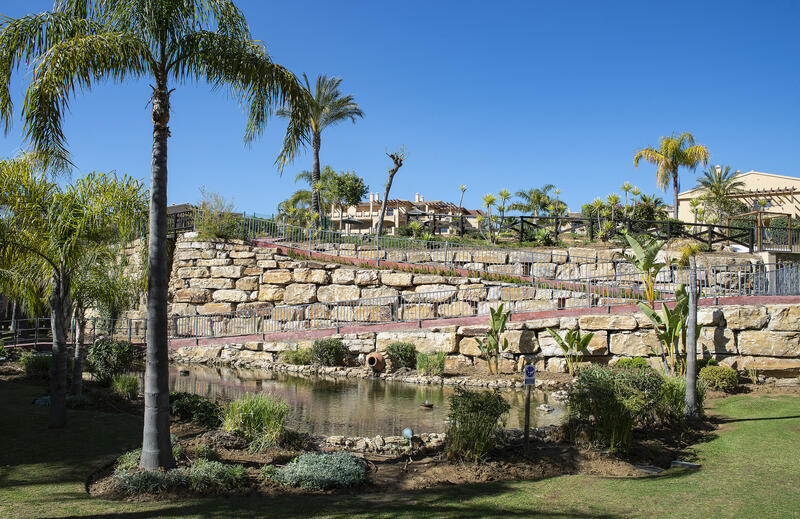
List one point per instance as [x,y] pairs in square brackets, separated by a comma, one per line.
[762,221]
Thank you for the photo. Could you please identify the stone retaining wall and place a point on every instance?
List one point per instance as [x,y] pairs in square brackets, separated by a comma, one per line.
[765,337]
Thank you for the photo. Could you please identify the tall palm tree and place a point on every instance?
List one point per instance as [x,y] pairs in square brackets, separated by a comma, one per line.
[534,201]
[627,187]
[673,153]
[327,107]
[321,187]
[613,201]
[463,189]
[718,184]
[82,42]
[489,201]
[47,233]
[635,191]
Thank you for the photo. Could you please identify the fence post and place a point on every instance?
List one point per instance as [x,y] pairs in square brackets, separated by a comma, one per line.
[521,229]
[710,237]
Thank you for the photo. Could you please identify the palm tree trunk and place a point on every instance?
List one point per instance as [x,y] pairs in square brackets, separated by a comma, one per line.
[691,410]
[156,448]
[315,175]
[675,189]
[60,309]
[76,388]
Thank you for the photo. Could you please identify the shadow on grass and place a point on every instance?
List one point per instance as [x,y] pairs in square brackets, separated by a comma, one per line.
[732,420]
[438,502]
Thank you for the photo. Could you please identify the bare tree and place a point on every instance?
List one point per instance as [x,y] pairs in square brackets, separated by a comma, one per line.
[397,158]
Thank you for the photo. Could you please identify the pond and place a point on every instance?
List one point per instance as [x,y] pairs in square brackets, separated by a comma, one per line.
[350,407]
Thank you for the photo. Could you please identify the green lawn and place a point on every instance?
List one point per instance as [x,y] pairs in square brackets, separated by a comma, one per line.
[751,469]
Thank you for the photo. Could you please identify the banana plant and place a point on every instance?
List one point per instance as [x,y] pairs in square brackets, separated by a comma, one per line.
[671,330]
[572,344]
[644,259]
[492,345]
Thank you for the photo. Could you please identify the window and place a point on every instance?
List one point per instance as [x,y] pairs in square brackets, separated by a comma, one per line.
[390,212]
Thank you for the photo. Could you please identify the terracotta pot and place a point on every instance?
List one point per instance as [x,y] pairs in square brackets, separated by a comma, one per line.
[376,362]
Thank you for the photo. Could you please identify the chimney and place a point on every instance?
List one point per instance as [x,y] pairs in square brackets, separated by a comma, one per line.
[422,199]
[416,197]
[377,197]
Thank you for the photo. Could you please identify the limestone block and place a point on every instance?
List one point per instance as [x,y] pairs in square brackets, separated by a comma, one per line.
[768,366]
[417,257]
[435,293]
[366,277]
[229,271]
[556,365]
[745,317]
[543,270]
[518,293]
[520,341]
[462,256]
[193,272]
[509,270]
[442,256]
[300,293]
[769,343]
[383,292]
[306,275]
[182,309]
[480,267]
[503,365]
[410,312]
[267,264]
[270,293]
[457,364]
[192,295]
[231,296]
[784,318]
[214,262]
[192,327]
[469,346]
[525,257]
[343,276]
[634,344]
[276,277]
[490,256]
[582,255]
[254,306]
[187,254]
[541,324]
[335,293]
[568,271]
[472,292]
[532,306]
[341,313]
[607,322]
[252,271]
[428,279]
[395,255]
[242,325]
[243,254]
[609,254]
[317,311]
[456,309]
[211,283]
[286,313]
[396,279]
[372,313]
[214,308]
[716,341]
[425,341]
[249,283]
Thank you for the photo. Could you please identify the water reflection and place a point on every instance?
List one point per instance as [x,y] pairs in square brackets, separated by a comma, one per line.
[351,407]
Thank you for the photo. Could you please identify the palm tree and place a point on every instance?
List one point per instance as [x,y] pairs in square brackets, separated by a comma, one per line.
[82,42]
[673,153]
[627,187]
[718,184]
[463,189]
[489,201]
[613,201]
[327,107]
[635,191]
[503,195]
[534,201]
[47,233]
[321,188]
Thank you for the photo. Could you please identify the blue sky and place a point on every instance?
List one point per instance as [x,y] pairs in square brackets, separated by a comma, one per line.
[488,94]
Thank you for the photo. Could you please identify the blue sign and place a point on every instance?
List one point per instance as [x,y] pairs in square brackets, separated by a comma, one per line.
[530,374]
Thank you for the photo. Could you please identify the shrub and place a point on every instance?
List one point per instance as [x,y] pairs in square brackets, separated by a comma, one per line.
[108,357]
[129,460]
[431,364]
[259,418]
[205,475]
[605,404]
[708,361]
[297,357]
[328,352]
[632,363]
[402,354]
[207,452]
[321,471]
[722,378]
[126,386]
[196,408]
[37,365]
[215,217]
[202,476]
[544,238]
[474,420]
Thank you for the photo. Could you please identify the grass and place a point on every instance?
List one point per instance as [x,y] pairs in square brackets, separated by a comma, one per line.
[749,470]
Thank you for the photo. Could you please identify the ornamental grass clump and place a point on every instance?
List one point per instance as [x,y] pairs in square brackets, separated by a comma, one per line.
[328,352]
[402,355]
[475,418]
[320,471]
[202,476]
[431,364]
[259,418]
[297,357]
[126,386]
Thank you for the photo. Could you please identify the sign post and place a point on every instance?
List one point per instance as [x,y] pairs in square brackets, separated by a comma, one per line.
[530,381]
